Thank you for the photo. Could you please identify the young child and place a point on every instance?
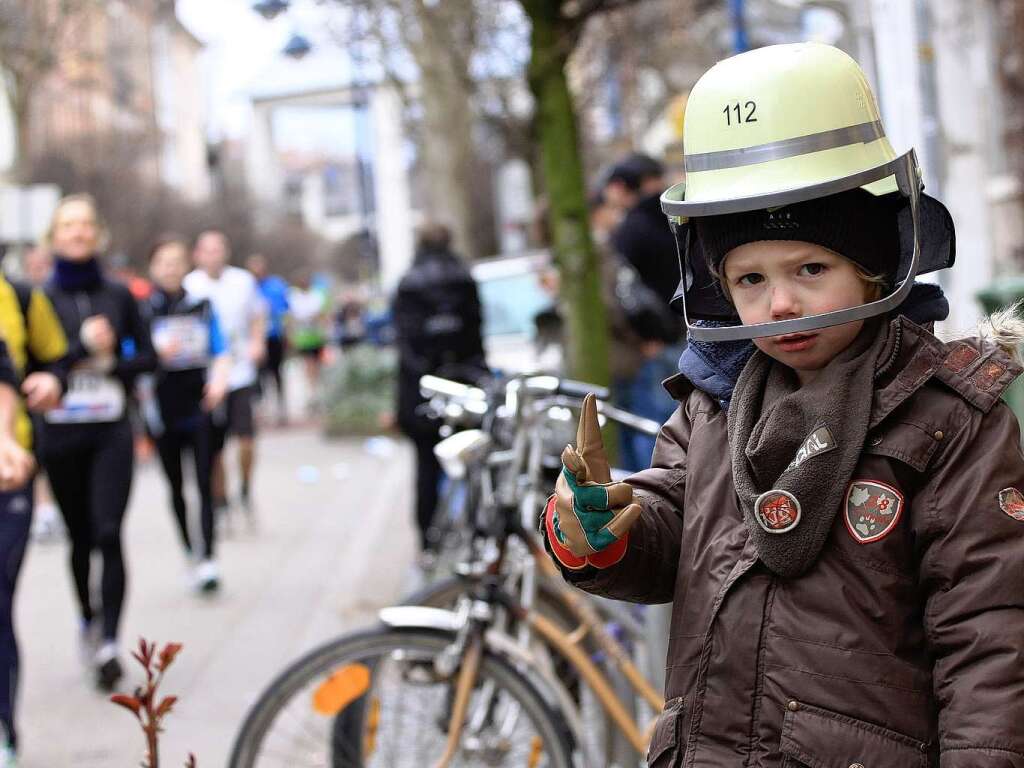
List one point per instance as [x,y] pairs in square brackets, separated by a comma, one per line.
[835,509]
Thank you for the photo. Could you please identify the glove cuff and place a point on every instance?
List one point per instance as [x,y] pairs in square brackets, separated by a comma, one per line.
[605,558]
[561,553]
[611,554]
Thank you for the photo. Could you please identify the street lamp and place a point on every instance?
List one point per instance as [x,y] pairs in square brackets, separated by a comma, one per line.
[270,9]
[297,46]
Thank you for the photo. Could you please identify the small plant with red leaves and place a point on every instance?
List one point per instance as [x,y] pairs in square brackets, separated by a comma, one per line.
[149,709]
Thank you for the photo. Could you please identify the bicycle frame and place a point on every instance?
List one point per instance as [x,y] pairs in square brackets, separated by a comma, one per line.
[517,495]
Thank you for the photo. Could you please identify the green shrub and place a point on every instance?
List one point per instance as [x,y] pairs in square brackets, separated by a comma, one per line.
[359,391]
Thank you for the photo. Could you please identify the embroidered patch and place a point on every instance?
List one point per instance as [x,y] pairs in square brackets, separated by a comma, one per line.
[818,442]
[985,377]
[777,511]
[961,357]
[872,510]
[1011,501]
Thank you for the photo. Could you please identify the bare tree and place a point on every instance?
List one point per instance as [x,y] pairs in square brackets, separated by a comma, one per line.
[32,35]
[459,74]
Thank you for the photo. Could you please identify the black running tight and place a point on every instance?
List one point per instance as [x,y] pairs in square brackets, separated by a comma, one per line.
[90,472]
[170,446]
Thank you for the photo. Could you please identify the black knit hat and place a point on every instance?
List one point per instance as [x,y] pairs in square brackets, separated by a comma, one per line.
[854,224]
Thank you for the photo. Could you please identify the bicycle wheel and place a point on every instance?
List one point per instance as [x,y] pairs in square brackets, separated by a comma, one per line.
[377,699]
[600,734]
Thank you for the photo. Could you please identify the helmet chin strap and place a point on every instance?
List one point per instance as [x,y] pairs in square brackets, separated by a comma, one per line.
[905,169]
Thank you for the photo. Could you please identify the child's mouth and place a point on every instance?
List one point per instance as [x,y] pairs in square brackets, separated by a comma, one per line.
[795,342]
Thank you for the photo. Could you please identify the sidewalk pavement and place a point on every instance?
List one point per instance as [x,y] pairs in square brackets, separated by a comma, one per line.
[334,542]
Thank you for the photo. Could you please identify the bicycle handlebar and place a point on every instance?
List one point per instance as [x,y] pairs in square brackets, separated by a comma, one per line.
[435,385]
[625,418]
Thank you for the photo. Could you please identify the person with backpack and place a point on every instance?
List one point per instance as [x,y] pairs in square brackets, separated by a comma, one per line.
[437,320]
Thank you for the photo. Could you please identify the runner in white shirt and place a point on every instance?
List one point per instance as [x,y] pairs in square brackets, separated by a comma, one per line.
[241,310]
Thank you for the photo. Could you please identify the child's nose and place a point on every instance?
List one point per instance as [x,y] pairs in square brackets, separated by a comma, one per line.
[783,303]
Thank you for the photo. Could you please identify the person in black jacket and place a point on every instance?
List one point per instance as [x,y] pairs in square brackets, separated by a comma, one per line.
[645,242]
[437,325]
[86,442]
[643,236]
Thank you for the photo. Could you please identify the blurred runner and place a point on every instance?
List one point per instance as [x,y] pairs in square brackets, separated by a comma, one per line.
[241,311]
[122,270]
[191,382]
[86,442]
[32,351]
[308,334]
[37,267]
[274,290]
[349,327]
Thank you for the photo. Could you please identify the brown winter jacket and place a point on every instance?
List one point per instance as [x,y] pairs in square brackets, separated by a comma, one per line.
[905,650]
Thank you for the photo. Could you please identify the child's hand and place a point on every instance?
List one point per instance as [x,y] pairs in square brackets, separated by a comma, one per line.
[591,512]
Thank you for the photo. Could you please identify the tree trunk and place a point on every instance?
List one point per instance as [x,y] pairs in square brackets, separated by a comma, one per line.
[449,155]
[20,104]
[587,342]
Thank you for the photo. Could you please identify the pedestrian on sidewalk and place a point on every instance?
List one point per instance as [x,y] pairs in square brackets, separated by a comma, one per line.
[437,331]
[191,382]
[836,508]
[86,442]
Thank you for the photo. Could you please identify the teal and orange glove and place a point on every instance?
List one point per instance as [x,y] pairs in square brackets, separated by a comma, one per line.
[588,517]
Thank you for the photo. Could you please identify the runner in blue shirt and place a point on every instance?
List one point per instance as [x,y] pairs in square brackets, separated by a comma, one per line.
[274,290]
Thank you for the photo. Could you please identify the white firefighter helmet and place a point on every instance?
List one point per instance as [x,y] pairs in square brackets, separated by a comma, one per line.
[781,125]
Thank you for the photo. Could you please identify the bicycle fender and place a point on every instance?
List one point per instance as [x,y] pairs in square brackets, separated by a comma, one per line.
[420,617]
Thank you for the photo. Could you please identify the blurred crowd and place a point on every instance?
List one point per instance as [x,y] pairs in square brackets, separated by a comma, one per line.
[103,364]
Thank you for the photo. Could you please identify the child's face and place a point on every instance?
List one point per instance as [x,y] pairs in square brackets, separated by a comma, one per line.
[786,279]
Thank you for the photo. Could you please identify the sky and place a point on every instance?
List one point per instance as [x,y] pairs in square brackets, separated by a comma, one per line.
[243,57]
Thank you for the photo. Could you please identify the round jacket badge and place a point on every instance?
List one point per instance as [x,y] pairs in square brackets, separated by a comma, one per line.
[777,511]
[1011,501]
[872,510]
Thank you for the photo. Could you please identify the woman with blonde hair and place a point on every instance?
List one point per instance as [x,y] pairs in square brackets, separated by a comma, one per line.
[86,443]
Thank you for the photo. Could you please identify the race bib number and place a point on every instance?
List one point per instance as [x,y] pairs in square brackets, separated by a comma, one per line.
[91,398]
[183,342]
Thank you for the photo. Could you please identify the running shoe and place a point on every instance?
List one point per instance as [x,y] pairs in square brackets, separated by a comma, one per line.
[88,640]
[108,667]
[8,757]
[207,576]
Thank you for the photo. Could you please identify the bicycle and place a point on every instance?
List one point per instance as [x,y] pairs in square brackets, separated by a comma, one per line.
[499,699]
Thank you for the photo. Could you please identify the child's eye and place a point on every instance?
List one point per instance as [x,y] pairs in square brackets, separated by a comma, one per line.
[812,269]
[751,278]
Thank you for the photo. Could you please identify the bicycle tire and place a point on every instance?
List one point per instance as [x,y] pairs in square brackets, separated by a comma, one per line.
[319,663]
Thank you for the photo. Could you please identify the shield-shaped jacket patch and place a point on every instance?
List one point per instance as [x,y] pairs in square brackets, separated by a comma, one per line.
[872,510]
[1011,501]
